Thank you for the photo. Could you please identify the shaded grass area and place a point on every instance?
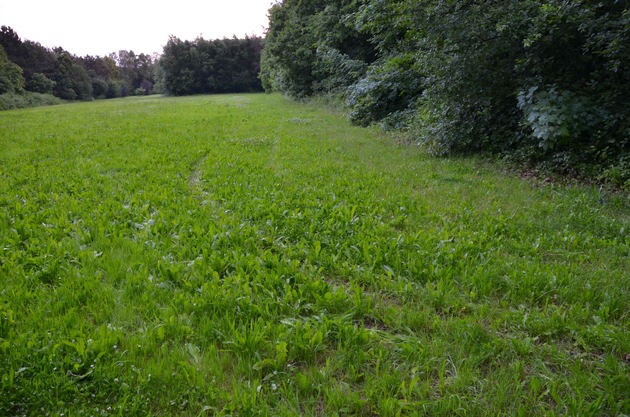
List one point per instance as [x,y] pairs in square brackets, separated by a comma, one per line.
[245,255]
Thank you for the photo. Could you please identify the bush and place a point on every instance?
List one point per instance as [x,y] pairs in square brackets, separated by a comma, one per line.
[387,94]
[11,77]
[10,101]
[99,87]
[146,87]
[116,88]
[39,83]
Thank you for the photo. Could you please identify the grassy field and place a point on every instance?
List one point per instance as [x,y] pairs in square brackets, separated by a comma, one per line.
[247,255]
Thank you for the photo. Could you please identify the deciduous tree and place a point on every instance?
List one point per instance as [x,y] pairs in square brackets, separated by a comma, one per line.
[211,66]
[11,79]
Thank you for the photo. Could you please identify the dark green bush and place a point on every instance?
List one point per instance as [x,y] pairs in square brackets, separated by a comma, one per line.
[10,101]
[11,78]
[388,93]
[99,87]
[39,83]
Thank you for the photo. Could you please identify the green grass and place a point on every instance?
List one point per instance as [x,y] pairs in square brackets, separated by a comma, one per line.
[246,255]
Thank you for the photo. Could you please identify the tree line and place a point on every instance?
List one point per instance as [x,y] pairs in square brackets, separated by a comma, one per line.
[541,82]
[184,67]
[70,77]
[211,66]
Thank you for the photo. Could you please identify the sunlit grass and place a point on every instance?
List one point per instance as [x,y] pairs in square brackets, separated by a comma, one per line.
[246,255]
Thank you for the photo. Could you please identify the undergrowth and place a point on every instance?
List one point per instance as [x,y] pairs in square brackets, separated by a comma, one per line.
[10,101]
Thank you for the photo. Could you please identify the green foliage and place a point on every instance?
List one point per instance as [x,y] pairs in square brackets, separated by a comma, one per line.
[10,101]
[335,71]
[79,78]
[39,83]
[210,66]
[11,79]
[115,75]
[245,255]
[314,48]
[387,94]
[134,71]
[35,60]
[543,82]
[99,87]
[557,117]
[72,81]
[574,62]
[116,89]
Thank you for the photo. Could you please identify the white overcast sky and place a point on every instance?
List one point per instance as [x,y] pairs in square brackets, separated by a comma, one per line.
[85,27]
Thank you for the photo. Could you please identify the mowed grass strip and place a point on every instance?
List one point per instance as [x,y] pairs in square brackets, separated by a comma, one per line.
[247,255]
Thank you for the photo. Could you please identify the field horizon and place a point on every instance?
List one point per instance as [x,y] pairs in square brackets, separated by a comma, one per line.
[247,255]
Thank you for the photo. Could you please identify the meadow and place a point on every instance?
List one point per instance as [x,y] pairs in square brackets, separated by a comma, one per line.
[252,256]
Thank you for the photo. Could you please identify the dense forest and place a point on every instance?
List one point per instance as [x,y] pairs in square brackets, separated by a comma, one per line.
[541,82]
[185,67]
